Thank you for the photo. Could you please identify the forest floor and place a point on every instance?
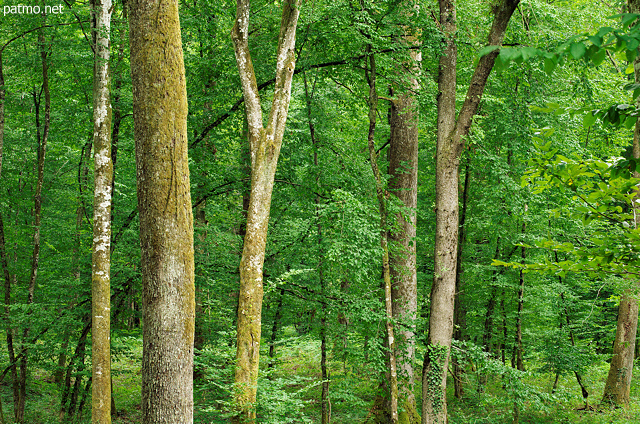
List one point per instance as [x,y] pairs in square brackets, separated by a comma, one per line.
[290,392]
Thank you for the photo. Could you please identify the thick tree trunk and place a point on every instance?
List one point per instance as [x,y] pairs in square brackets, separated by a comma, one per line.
[101,250]
[265,143]
[403,169]
[450,143]
[164,204]
[618,384]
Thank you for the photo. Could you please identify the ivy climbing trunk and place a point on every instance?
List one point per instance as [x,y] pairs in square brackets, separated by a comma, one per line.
[164,205]
[264,146]
[451,133]
[101,250]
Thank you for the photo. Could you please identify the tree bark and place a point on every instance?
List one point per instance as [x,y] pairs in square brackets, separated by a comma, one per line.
[164,204]
[618,384]
[403,170]
[101,250]
[450,143]
[264,146]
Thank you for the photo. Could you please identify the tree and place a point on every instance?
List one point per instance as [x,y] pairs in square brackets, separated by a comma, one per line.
[164,205]
[382,196]
[618,384]
[451,135]
[264,145]
[101,256]
[403,168]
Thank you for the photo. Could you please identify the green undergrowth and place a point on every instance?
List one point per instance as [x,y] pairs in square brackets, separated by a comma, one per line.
[289,390]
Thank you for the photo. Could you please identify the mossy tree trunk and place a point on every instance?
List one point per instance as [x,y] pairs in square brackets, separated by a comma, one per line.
[264,146]
[403,169]
[101,250]
[451,133]
[164,204]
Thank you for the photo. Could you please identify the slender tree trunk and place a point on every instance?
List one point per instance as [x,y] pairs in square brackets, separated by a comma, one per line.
[459,308]
[2,97]
[324,397]
[101,251]
[382,204]
[450,143]
[76,363]
[37,213]
[518,350]
[164,204]
[274,329]
[583,389]
[265,143]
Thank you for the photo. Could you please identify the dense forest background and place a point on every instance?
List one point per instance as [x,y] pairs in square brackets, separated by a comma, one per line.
[547,242]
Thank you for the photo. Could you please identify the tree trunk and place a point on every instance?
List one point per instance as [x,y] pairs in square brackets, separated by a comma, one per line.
[265,143]
[618,384]
[459,308]
[382,205]
[42,137]
[403,169]
[450,143]
[324,397]
[164,204]
[101,250]
[519,363]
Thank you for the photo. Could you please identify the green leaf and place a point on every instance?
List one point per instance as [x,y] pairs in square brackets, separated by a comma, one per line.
[598,57]
[628,19]
[549,65]
[596,40]
[588,120]
[486,50]
[604,31]
[629,69]
[577,50]
[630,122]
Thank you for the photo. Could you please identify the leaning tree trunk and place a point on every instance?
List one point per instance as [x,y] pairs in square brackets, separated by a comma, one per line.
[101,250]
[264,145]
[164,204]
[451,133]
